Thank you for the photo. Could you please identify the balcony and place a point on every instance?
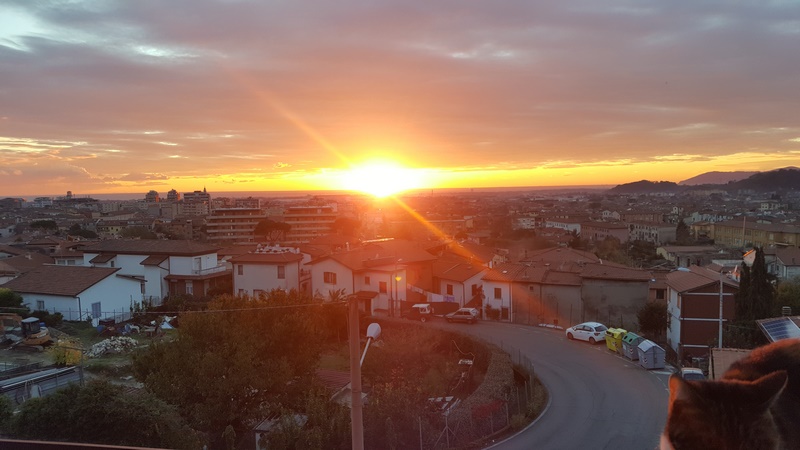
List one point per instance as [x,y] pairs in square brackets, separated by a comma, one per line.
[210,270]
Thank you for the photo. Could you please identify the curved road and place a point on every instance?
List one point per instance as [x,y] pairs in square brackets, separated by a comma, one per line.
[598,399]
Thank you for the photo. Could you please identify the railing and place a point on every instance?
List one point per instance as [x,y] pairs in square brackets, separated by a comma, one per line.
[206,271]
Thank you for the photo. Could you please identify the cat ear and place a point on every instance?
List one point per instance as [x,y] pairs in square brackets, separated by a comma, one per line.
[769,387]
[679,389]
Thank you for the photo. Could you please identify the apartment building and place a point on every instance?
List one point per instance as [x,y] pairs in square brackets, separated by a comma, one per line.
[231,225]
[746,232]
[309,221]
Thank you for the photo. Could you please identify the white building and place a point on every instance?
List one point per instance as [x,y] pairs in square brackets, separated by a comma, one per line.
[166,267]
[79,292]
[268,268]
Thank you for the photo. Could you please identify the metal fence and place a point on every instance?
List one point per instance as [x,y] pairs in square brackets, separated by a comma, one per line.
[469,423]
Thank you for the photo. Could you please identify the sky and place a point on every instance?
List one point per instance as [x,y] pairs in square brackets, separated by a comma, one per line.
[235,95]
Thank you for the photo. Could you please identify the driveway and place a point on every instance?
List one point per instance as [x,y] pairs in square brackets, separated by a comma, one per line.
[598,399]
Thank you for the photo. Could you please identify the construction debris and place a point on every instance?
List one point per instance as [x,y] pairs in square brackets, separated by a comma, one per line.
[116,344]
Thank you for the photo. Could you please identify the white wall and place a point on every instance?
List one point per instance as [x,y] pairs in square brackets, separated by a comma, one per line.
[113,293]
[488,291]
[264,276]
[674,330]
[344,278]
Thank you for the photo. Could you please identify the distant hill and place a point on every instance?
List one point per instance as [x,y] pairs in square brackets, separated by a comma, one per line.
[716,178]
[646,187]
[784,179]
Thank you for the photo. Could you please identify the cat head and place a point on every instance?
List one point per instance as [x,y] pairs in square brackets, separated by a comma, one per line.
[722,414]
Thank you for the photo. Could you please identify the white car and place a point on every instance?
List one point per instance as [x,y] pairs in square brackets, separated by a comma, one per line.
[593,332]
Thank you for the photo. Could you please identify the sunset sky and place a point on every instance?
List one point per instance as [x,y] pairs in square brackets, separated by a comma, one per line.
[128,96]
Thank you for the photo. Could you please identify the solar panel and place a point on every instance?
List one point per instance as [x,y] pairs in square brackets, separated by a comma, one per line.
[779,328]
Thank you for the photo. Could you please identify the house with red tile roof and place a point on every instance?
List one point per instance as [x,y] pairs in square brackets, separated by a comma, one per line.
[699,302]
[167,267]
[565,291]
[267,268]
[383,273]
[79,292]
[15,266]
[458,280]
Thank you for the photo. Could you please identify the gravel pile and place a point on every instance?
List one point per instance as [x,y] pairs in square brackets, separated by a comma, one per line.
[116,344]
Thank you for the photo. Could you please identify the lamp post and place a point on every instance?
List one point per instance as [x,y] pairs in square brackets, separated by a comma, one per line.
[356,407]
[397,279]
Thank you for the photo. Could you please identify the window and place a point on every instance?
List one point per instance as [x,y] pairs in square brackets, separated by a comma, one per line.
[281,272]
[498,293]
[189,288]
[240,269]
[382,287]
[475,289]
[257,293]
[111,264]
[366,281]
[329,277]
[660,294]
[40,305]
[449,289]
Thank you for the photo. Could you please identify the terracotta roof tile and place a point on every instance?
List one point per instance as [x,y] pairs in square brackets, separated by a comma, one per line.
[151,247]
[59,280]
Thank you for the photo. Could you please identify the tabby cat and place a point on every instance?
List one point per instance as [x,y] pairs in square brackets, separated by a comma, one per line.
[755,406]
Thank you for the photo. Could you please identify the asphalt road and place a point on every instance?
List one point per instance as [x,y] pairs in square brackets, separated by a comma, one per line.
[598,400]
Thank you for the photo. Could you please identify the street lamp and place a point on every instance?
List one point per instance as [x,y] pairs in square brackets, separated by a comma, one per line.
[356,407]
[397,279]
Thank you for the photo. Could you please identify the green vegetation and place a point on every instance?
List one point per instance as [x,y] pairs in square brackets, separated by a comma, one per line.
[653,320]
[271,231]
[754,300]
[230,367]
[102,413]
[11,302]
[44,225]
[137,233]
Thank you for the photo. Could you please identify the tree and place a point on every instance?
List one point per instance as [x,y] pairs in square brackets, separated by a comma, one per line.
[346,226]
[103,413]
[137,233]
[13,301]
[44,225]
[576,242]
[76,230]
[742,297]
[683,235]
[271,230]
[755,300]
[788,294]
[762,291]
[264,349]
[653,319]
[611,249]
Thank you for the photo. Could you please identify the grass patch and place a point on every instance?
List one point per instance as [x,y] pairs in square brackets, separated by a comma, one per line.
[336,359]
[84,331]
[110,366]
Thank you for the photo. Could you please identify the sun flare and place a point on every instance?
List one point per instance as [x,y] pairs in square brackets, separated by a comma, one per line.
[381,178]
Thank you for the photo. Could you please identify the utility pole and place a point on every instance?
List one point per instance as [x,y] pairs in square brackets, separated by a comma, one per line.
[356,418]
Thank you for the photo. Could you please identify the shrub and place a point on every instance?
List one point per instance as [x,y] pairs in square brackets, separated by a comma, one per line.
[50,320]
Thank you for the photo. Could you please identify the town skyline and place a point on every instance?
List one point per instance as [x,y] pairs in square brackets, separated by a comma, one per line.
[119,97]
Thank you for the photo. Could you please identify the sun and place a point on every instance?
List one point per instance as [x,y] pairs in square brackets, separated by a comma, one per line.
[381,178]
